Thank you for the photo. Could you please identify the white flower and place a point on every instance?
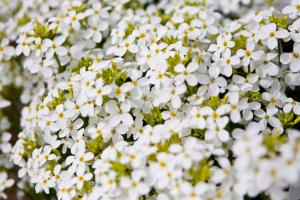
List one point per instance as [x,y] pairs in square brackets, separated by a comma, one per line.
[65,189]
[270,33]
[41,65]
[4,183]
[96,27]
[193,192]
[268,117]
[293,9]
[44,181]
[197,118]
[46,155]
[55,47]
[24,45]
[249,54]
[81,178]
[4,103]
[119,113]
[248,145]
[217,130]
[290,105]
[100,91]
[61,116]
[292,58]
[186,73]
[267,67]
[215,83]
[74,18]
[127,45]
[228,62]
[236,106]
[5,146]
[78,162]
[6,51]
[171,93]
[134,185]
[224,43]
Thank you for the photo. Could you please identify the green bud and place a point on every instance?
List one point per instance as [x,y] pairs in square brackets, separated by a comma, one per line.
[57,100]
[170,40]
[280,21]
[79,9]
[253,96]
[192,3]
[84,62]
[240,43]
[29,146]
[96,146]
[41,31]
[185,41]
[273,142]
[129,29]
[286,118]
[197,133]
[213,102]
[173,61]
[289,119]
[24,20]
[113,74]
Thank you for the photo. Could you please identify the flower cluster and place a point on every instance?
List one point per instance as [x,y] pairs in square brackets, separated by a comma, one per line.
[151,99]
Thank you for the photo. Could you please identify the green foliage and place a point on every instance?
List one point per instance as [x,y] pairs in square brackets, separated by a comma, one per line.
[120,169]
[215,101]
[154,117]
[240,43]
[95,146]
[57,100]
[113,74]
[253,96]
[164,17]
[185,41]
[129,29]
[170,40]
[192,3]
[187,59]
[173,61]
[86,189]
[280,21]
[24,20]
[71,92]
[201,173]
[273,141]
[84,62]
[164,146]
[79,9]
[289,119]
[42,31]
[29,146]
[197,133]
